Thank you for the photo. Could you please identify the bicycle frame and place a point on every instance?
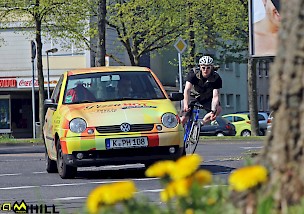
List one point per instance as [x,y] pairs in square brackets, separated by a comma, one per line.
[192,129]
[195,112]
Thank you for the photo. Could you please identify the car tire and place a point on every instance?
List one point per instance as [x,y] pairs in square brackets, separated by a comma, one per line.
[65,171]
[220,134]
[246,133]
[50,165]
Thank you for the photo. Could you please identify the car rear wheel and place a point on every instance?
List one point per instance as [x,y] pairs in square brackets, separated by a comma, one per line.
[50,165]
[246,133]
[64,170]
[220,134]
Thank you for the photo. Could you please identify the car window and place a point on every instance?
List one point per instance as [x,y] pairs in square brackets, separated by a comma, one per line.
[110,86]
[229,118]
[260,117]
[238,119]
[56,91]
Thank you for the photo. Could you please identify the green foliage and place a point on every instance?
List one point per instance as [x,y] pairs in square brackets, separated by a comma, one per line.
[145,26]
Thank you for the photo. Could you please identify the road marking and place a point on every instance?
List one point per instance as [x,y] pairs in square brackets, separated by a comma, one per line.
[21,187]
[68,198]
[1,175]
[60,185]
[252,147]
[150,190]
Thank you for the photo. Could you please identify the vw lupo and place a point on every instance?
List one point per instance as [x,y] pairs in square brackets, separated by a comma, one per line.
[110,115]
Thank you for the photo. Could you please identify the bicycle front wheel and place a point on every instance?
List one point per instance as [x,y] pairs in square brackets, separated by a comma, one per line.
[193,138]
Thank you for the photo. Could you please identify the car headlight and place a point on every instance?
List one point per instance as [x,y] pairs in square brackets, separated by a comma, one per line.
[169,120]
[78,125]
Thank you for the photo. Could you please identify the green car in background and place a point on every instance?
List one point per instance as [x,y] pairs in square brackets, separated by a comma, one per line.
[241,123]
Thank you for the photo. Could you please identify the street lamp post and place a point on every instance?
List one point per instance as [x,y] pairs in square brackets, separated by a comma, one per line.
[53,50]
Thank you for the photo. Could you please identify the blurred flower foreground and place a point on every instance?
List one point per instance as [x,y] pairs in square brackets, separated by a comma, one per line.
[187,189]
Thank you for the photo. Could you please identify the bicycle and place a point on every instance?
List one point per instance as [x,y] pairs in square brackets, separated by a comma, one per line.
[192,129]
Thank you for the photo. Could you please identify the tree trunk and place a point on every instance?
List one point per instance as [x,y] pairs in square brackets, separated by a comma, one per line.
[283,152]
[101,38]
[252,89]
[40,75]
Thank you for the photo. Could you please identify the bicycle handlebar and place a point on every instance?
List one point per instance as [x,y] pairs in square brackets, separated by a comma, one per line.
[200,106]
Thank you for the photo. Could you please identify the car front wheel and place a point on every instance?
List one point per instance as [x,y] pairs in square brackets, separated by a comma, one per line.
[64,170]
[246,133]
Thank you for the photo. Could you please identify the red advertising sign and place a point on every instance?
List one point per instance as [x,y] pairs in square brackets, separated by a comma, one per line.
[8,83]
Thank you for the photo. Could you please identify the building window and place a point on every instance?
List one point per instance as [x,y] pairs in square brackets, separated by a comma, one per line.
[260,68]
[222,99]
[266,68]
[229,100]
[238,102]
[228,67]
[261,103]
[237,70]
[267,103]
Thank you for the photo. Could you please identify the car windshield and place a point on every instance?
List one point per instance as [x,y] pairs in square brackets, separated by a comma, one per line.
[100,87]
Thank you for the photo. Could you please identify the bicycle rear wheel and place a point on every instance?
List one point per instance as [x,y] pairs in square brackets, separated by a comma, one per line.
[193,138]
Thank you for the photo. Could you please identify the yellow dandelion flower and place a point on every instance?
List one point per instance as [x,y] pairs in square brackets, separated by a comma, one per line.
[247,177]
[180,187]
[122,190]
[185,166]
[189,211]
[109,194]
[160,169]
[164,196]
[203,177]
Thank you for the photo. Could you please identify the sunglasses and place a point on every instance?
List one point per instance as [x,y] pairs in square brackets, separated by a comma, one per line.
[206,67]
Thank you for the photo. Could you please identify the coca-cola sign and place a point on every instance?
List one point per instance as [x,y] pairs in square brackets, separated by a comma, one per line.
[27,82]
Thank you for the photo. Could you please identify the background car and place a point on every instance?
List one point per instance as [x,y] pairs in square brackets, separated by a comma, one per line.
[241,123]
[218,127]
[262,118]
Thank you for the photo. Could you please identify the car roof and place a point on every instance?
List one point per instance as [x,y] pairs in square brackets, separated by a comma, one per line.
[108,69]
[238,115]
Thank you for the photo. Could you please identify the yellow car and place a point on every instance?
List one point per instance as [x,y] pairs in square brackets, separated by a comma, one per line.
[241,123]
[110,115]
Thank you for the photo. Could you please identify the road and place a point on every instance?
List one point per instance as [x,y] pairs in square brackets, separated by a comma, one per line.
[23,175]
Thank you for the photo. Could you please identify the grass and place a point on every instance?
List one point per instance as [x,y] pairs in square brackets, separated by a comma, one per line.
[9,139]
[233,138]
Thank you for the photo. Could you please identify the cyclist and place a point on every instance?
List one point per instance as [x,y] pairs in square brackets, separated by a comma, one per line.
[203,85]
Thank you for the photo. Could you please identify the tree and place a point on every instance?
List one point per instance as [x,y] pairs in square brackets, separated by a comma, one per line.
[101,26]
[283,151]
[144,26]
[216,25]
[56,17]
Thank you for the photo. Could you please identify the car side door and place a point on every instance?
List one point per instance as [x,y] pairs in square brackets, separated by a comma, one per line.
[48,128]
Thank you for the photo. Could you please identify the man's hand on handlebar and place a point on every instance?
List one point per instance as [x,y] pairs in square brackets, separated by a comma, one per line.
[186,108]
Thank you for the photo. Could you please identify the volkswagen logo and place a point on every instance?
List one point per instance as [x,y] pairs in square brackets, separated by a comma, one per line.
[125,127]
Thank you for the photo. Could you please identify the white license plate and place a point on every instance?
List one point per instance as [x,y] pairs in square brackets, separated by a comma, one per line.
[119,143]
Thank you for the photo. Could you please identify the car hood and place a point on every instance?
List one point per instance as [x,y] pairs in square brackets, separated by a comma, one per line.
[118,112]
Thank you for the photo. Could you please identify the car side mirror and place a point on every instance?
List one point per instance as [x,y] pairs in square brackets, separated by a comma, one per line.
[50,103]
[176,96]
